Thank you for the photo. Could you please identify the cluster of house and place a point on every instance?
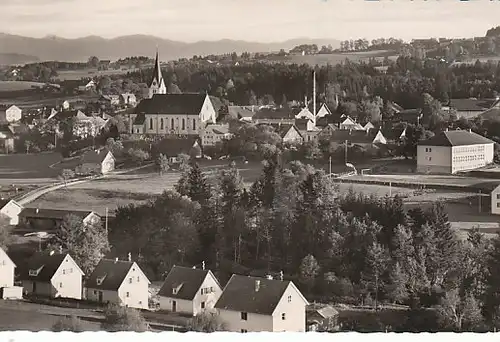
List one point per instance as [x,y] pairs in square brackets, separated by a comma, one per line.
[10,127]
[245,304]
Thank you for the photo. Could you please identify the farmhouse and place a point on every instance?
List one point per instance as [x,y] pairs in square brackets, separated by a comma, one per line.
[36,219]
[173,147]
[189,290]
[251,304]
[119,282]
[214,133]
[454,151]
[350,124]
[52,275]
[7,269]
[470,108]
[11,210]
[274,116]
[10,115]
[97,161]
[176,114]
[289,133]
[360,138]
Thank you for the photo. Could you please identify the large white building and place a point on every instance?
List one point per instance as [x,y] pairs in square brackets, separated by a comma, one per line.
[454,151]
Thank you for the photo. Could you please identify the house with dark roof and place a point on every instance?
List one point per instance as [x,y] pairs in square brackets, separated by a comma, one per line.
[214,133]
[289,133]
[99,161]
[321,109]
[450,152]
[10,209]
[175,114]
[6,139]
[189,290]
[470,108]
[118,282]
[7,272]
[274,116]
[242,113]
[251,304]
[360,138]
[321,318]
[349,123]
[41,219]
[173,147]
[51,275]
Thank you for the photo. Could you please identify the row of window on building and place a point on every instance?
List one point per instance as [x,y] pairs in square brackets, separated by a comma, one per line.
[172,124]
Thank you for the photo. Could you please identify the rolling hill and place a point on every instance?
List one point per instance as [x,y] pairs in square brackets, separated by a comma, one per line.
[80,49]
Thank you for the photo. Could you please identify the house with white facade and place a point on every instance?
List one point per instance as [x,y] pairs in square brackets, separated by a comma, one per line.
[42,219]
[97,161]
[350,124]
[450,152]
[214,133]
[11,210]
[251,304]
[52,275]
[362,138]
[7,272]
[10,114]
[189,290]
[176,114]
[128,99]
[289,133]
[495,201]
[118,282]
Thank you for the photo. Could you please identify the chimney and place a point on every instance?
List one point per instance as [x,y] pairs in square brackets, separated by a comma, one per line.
[305,101]
[314,94]
[470,130]
[281,275]
[257,285]
[116,260]
[129,257]
[203,265]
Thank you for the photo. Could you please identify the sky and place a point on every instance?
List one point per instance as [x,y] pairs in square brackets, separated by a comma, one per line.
[250,20]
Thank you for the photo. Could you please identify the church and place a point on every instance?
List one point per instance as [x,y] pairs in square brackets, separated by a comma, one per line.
[170,114]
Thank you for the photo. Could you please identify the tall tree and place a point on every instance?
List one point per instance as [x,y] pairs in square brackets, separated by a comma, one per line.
[309,270]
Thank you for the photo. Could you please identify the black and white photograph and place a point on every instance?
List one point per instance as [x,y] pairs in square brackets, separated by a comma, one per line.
[301,166]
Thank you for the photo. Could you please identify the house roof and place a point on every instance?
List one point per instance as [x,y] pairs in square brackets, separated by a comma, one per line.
[301,124]
[240,295]
[397,108]
[186,104]
[95,156]
[18,128]
[187,280]
[471,105]
[318,107]
[456,138]
[217,129]
[491,114]
[111,273]
[270,113]
[324,311]
[57,214]
[172,147]
[48,265]
[66,114]
[283,129]
[354,136]
[6,255]
[126,96]
[5,130]
[239,112]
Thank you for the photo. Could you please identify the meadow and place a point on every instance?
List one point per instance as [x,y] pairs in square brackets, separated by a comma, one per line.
[18,85]
[90,73]
[336,58]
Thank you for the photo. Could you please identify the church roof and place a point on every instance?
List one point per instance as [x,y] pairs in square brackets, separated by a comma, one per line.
[181,104]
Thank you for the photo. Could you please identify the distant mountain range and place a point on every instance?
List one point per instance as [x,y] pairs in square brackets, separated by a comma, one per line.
[79,50]
[16,58]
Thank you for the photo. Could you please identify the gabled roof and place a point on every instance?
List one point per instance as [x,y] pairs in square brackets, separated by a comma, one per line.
[18,128]
[283,129]
[239,112]
[456,138]
[325,311]
[57,214]
[301,124]
[471,105]
[217,129]
[354,136]
[182,104]
[2,252]
[95,156]
[172,147]
[4,202]
[268,113]
[66,114]
[110,274]
[240,295]
[318,107]
[46,264]
[5,130]
[187,281]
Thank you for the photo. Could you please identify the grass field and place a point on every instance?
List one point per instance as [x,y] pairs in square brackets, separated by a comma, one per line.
[26,168]
[335,58]
[18,85]
[89,73]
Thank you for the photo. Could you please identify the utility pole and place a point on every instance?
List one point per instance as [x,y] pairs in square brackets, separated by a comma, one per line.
[479,202]
[345,152]
[390,189]
[106,224]
[330,165]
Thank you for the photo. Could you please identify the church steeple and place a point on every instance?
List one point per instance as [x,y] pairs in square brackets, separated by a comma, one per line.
[157,85]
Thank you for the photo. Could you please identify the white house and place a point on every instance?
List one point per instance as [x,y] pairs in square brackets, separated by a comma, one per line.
[454,151]
[11,210]
[368,126]
[7,288]
[119,282]
[52,275]
[11,114]
[250,304]
[189,290]
[214,133]
[350,124]
[495,201]
[178,114]
[99,160]
[305,114]
[128,99]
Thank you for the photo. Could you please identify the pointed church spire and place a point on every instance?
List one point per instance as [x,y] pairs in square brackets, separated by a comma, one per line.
[157,85]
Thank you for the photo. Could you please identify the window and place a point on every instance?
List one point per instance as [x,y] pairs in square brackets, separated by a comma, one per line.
[211,289]
[130,280]
[203,305]
[283,317]
[60,285]
[289,299]
[64,271]
[71,270]
[202,291]
[183,124]
[128,294]
[95,292]
[194,124]
[161,123]
[150,123]
[498,205]
[244,330]
[430,149]
[138,279]
[244,316]
[172,124]
[498,196]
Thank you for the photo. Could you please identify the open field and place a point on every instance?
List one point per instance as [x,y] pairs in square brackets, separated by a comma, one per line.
[335,58]
[21,168]
[89,73]
[39,99]
[18,85]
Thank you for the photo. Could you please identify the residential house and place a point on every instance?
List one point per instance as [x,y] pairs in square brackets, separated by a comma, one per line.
[307,129]
[495,200]
[111,100]
[173,147]
[350,124]
[289,133]
[321,109]
[128,99]
[37,219]
[241,113]
[470,108]
[251,304]
[173,114]
[321,318]
[7,271]
[10,115]
[368,126]
[395,135]
[6,139]
[11,210]
[411,116]
[214,133]
[327,131]
[189,290]
[119,282]
[97,161]
[450,152]
[361,138]
[305,114]
[83,125]
[274,116]
[52,275]
[493,113]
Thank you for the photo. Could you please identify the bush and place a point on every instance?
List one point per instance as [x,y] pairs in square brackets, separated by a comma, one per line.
[118,318]
[71,323]
[206,322]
